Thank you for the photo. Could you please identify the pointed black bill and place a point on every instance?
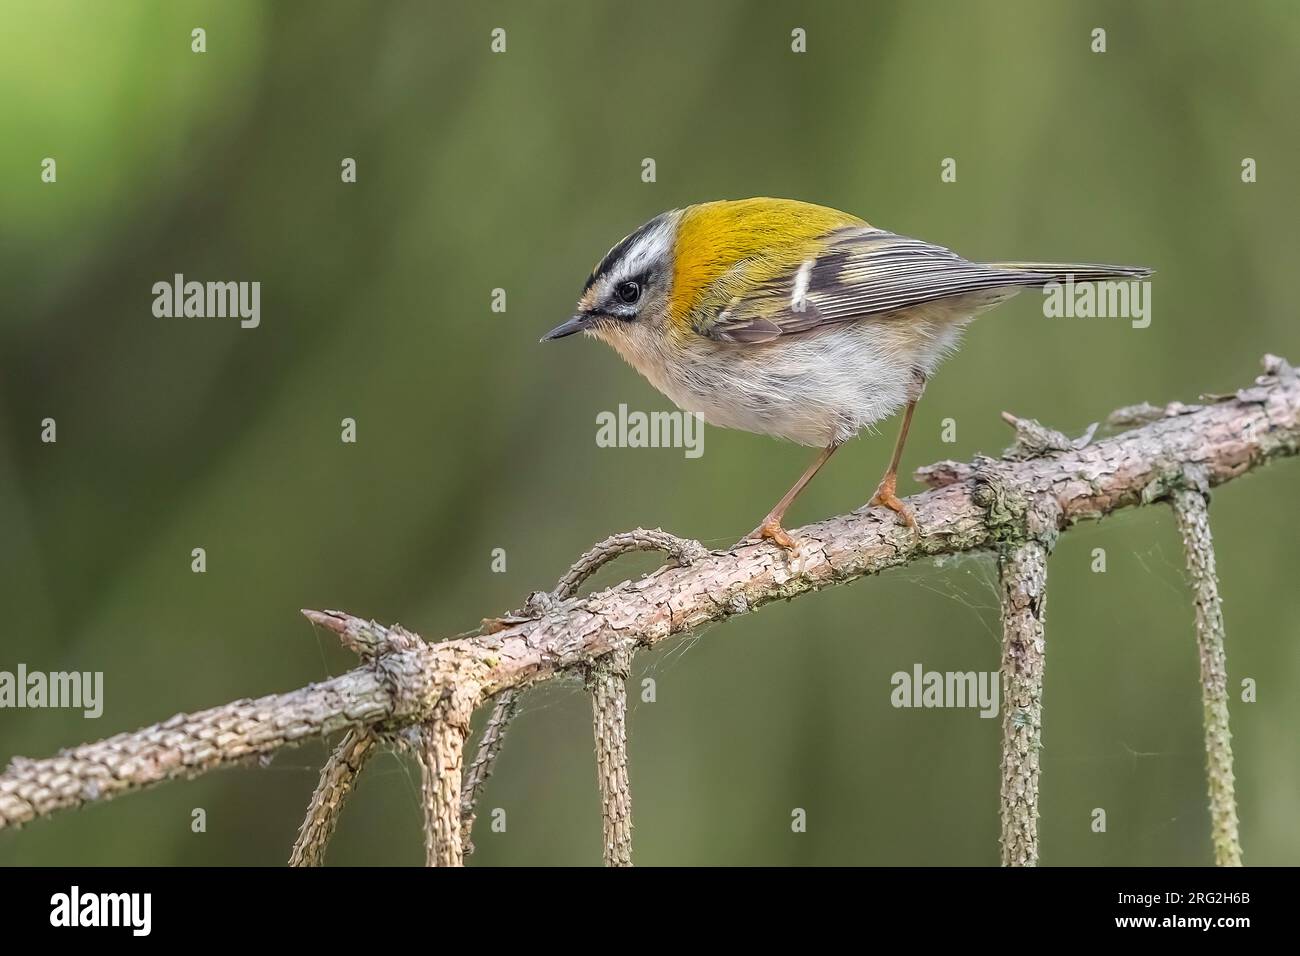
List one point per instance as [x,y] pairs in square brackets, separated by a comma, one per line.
[576,324]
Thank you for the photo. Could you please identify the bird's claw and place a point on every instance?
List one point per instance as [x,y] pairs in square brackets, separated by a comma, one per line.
[771,530]
[885,495]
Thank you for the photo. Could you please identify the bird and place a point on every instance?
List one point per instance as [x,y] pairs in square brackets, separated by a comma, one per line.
[795,320]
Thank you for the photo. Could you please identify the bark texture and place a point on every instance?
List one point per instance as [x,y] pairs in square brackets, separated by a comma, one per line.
[1191,508]
[607,682]
[336,781]
[1022,572]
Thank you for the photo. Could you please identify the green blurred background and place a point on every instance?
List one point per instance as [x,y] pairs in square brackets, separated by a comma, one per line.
[518,170]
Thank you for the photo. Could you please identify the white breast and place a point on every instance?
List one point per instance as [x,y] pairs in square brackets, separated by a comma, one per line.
[811,389]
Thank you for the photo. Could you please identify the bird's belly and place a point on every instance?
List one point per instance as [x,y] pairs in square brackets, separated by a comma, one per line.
[813,390]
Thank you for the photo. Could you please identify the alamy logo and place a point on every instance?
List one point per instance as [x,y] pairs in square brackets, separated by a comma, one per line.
[1099,300]
[922,688]
[75,908]
[75,689]
[626,429]
[209,300]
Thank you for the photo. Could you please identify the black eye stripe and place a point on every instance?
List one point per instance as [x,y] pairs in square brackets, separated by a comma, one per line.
[620,250]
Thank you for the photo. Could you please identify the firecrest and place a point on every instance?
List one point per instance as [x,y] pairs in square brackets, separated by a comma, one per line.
[789,319]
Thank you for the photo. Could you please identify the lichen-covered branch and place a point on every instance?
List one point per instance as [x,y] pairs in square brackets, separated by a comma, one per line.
[336,781]
[439,745]
[607,683]
[400,686]
[355,749]
[680,550]
[1022,573]
[489,748]
[1193,516]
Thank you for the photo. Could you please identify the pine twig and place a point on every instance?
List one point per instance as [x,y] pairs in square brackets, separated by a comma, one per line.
[609,698]
[439,746]
[1192,513]
[337,779]
[607,684]
[1022,569]
[489,747]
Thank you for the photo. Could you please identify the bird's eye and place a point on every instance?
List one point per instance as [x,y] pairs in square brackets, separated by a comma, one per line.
[628,292]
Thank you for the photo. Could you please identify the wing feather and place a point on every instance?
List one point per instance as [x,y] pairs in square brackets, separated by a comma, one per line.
[861,272]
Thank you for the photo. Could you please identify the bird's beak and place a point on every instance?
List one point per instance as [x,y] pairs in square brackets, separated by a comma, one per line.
[578,323]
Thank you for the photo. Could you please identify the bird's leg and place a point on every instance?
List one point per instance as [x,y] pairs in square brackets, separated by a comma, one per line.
[771,526]
[886,492]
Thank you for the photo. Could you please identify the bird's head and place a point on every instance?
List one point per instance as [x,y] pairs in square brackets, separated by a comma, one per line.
[628,293]
[671,278]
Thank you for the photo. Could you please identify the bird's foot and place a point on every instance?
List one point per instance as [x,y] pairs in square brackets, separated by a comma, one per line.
[886,495]
[771,530]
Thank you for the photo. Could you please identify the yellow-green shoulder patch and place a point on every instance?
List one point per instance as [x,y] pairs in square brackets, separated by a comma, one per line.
[724,247]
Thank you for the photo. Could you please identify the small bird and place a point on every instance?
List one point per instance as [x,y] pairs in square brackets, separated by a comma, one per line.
[789,319]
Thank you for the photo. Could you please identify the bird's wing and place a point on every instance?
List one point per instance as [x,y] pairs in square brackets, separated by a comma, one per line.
[860,272]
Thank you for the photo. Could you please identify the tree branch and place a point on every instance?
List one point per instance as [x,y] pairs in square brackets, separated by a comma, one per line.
[678,549]
[1190,508]
[336,781]
[489,748]
[1022,570]
[607,683]
[974,506]
[439,745]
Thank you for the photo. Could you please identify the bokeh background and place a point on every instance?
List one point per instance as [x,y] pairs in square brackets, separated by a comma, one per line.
[518,170]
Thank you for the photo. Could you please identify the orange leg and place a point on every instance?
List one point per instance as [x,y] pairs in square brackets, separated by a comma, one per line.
[771,526]
[886,492]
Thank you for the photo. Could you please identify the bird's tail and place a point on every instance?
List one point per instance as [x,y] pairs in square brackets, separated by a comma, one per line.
[1035,274]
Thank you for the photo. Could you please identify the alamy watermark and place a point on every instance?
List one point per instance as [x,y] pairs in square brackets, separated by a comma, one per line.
[80,690]
[133,911]
[956,689]
[635,429]
[209,300]
[1128,299]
